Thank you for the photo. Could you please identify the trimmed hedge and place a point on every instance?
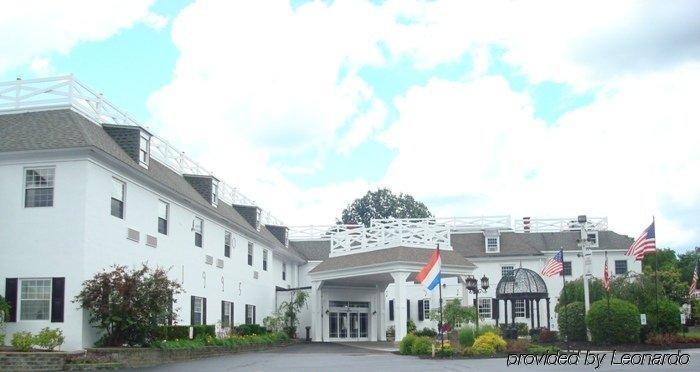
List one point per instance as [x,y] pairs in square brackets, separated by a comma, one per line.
[182,332]
[572,321]
[250,329]
[669,318]
[406,345]
[613,323]
[422,346]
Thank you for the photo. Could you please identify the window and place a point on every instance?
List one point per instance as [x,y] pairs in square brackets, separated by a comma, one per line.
[144,149]
[426,308]
[118,190]
[592,238]
[198,310]
[484,308]
[250,254]
[408,309]
[227,244]
[38,187]
[35,299]
[214,192]
[198,227]
[249,314]
[507,270]
[226,314]
[163,210]
[265,260]
[519,308]
[284,271]
[492,244]
[391,309]
[620,267]
[567,268]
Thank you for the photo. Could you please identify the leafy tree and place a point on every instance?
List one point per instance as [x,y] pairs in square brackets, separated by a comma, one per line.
[686,263]
[667,260]
[383,204]
[454,314]
[573,291]
[128,305]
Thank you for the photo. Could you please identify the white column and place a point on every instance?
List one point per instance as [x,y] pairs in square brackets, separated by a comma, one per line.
[316,312]
[381,314]
[465,292]
[400,304]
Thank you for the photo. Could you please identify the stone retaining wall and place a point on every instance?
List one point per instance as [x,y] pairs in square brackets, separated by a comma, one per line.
[32,361]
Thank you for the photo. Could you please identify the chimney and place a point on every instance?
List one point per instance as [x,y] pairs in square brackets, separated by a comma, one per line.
[135,141]
[251,213]
[526,224]
[207,186]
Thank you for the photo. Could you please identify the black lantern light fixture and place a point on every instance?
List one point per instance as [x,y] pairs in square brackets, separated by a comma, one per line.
[472,285]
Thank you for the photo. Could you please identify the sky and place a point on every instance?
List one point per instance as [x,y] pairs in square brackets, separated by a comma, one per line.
[521,108]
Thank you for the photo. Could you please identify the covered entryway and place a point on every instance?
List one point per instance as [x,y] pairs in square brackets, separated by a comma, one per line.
[348,291]
[523,285]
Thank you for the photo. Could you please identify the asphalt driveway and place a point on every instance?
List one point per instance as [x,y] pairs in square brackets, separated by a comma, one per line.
[336,357]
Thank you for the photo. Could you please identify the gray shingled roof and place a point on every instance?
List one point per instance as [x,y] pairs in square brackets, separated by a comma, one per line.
[313,250]
[64,128]
[396,254]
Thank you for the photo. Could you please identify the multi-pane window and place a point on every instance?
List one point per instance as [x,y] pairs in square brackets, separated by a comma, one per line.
[38,187]
[491,244]
[226,314]
[484,308]
[249,314]
[519,308]
[35,299]
[117,200]
[567,268]
[284,271]
[592,238]
[426,308]
[620,267]
[507,270]
[163,211]
[198,309]
[144,148]
[265,260]
[198,227]
[250,254]
[227,243]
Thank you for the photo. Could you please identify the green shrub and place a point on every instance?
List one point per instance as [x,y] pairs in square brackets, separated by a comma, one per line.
[250,329]
[406,345]
[22,341]
[669,318]
[422,346]
[410,326]
[547,336]
[615,323]
[49,338]
[427,332]
[182,332]
[488,344]
[489,328]
[572,321]
[445,351]
[522,329]
[466,336]
[517,346]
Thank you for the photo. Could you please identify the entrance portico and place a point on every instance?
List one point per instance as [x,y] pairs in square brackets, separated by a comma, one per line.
[348,292]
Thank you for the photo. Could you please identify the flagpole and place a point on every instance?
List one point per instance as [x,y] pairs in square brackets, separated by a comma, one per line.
[563,294]
[607,273]
[656,275]
[442,335]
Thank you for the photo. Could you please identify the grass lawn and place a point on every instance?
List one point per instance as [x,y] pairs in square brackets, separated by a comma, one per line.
[691,334]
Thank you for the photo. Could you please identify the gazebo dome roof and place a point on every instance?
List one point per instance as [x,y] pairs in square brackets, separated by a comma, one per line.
[521,284]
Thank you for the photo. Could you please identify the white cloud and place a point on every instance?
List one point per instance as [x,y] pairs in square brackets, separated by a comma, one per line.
[41,66]
[626,156]
[34,29]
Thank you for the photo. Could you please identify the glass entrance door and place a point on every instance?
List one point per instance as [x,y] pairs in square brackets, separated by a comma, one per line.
[348,321]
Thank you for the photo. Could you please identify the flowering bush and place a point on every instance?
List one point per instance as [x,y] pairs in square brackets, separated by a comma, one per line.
[22,341]
[49,339]
[488,344]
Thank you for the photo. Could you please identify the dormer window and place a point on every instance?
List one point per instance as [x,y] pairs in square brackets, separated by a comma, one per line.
[144,149]
[214,192]
[593,239]
[492,245]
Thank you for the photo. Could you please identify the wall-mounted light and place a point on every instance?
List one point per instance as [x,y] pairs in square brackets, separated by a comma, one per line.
[326,311]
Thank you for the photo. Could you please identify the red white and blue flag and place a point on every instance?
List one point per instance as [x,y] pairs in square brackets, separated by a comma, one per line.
[555,265]
[429,276]
[645,243]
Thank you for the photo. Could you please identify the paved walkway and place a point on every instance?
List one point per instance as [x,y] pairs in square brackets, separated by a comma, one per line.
[376,345]
[337,357]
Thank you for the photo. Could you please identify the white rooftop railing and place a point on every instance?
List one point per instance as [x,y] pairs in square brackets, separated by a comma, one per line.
[317,232]
[461,224]
[68,92]
[559,224]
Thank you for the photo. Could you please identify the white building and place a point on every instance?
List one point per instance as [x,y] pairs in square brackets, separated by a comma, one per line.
[84,187]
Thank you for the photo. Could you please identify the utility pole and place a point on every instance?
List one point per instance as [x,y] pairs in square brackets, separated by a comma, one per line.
[586,255]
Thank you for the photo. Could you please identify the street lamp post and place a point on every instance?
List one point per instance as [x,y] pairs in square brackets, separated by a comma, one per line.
[473,287]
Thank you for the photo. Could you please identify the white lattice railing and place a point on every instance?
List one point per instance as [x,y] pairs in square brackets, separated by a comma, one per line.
[426,233]
[67,91]
[559,224]
[317,232]
[461,224]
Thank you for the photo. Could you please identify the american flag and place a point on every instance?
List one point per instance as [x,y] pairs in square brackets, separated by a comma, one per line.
[694,283]
[555,265]
[645,243]
[606,274]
